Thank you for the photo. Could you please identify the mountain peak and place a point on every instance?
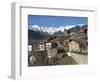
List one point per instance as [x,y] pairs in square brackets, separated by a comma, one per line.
[52,30]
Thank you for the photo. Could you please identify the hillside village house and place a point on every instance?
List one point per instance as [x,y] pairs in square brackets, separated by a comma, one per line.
[48,46]
[29,48]
[52,53]
[66,46]
[35,57]
[81,29]
[74,46]
[42,46]
[45,46]
[32,45]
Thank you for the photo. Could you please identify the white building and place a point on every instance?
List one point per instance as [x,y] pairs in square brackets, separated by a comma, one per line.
[41,46]
[48,46]
[29,48]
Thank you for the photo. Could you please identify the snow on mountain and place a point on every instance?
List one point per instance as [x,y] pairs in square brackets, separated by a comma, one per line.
[35,28]
[50,30]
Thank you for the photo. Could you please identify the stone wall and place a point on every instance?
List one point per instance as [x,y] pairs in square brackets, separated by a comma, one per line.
[79,58]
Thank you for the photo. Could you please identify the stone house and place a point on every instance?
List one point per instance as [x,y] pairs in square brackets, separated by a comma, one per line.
[66,46]
[52,53]
[42,46]
[74,46]
[32,45]
[48,46]
[37,58]
[81,29]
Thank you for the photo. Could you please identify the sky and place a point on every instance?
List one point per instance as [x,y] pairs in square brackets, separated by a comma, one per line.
[55,21]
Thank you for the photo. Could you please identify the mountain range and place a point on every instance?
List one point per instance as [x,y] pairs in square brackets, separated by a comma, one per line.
[50,30]
[38,32]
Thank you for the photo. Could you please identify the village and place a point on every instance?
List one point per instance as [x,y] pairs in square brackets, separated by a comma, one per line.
[59,50]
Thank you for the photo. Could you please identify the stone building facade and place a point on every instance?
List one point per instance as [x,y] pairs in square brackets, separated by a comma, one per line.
[74,46]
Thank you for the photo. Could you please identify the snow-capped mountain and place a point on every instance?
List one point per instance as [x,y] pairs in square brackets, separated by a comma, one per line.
[38,32]
[50,30]
[35,28]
